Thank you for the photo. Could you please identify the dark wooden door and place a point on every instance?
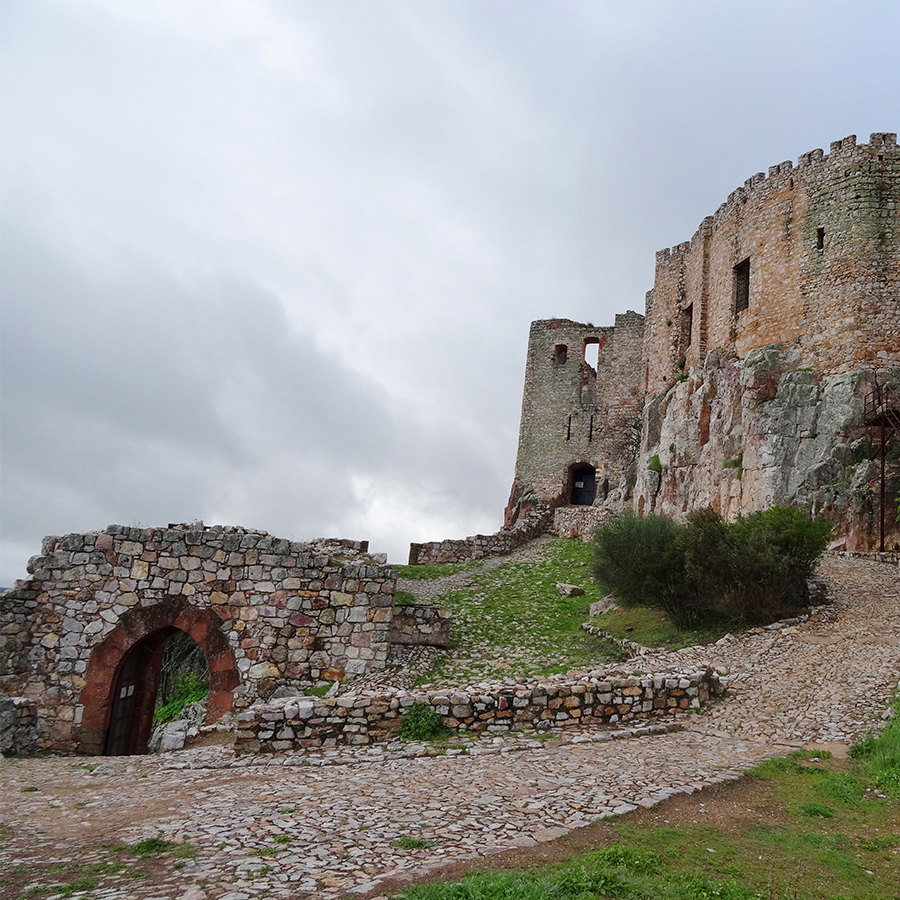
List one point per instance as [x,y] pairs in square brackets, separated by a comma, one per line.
[584,481]
[117,740]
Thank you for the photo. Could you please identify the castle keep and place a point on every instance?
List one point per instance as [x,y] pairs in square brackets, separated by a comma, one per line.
[762,372]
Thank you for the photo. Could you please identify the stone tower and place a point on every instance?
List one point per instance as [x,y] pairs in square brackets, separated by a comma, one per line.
[581,411]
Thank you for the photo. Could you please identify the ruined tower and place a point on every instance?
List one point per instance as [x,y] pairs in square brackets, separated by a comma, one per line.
[581,411]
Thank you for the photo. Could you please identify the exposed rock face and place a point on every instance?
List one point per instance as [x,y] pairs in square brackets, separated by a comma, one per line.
[744,435]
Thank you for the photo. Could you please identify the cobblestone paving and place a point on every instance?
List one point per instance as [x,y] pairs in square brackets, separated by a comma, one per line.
[342,813]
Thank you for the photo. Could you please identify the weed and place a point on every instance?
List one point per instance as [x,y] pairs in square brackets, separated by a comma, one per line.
[653,464]
[268,851]
[282,839]
[289,810]
[422,723]
[82,883]
[816,809]
[28,790]
[317,690]
[411,843]
[404,598]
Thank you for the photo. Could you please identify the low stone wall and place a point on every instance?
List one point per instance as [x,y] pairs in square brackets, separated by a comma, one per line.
[889,556]
[480,545]
[421,625]
[18,726]
[579,521]
[368,717]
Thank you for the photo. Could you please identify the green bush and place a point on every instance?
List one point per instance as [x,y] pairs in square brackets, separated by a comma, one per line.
[751,571]
[422,723]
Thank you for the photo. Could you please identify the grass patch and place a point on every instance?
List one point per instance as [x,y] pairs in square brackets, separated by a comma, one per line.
[404,598]
[155,846]
[511,620]
[28,790]
[317,690]
[816,809]
[880,756]
[652,628]
[268,851]
[411,843]
[438,570]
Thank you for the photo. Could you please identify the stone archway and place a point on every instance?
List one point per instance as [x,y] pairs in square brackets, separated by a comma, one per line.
[136,644]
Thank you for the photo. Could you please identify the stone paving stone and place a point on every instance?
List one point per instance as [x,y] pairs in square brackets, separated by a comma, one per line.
[344,811]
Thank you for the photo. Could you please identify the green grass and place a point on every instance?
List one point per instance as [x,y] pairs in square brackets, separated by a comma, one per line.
[438,570]
[511,620]
[404,598]
[411,843]
[652,628]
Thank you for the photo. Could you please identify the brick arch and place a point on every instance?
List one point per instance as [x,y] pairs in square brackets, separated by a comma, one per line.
[148,629]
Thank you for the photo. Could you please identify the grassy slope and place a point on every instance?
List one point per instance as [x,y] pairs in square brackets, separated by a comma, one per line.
[511,620]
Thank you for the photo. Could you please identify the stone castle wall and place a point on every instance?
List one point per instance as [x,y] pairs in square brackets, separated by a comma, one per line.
[267,612]
[823,243]
[802,266]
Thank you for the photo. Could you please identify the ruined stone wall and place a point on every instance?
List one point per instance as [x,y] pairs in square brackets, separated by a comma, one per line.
[573,414]
[367,717]
[274,611]
[823,243]
[419,624]
[533,523]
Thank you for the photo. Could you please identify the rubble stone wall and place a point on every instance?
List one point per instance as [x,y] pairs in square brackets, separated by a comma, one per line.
[309,722]
[267,612]
[418,624]
[18,726]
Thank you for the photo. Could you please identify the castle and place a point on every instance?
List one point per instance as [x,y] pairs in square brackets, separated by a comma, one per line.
[746,381]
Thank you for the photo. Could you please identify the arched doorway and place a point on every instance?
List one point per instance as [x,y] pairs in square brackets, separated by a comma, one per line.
[582,484]
[124,670]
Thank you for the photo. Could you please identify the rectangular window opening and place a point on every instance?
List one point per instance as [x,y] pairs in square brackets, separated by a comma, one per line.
[741,286]
[687,325]
[560,354]
[820,239]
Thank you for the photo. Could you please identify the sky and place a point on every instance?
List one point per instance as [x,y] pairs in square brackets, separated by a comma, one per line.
[272,263]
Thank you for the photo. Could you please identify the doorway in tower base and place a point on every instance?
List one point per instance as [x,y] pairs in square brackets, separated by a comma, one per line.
[582,484]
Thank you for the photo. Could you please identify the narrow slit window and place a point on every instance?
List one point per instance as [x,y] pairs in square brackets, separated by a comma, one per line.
[820,239]
[569,429]
[591,430]
[741,286]
[687,325]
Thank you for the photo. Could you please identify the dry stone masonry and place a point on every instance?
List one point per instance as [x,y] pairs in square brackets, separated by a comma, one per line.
[564,701]
[267,613]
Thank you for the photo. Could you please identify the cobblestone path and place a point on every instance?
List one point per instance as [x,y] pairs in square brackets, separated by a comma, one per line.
[332,821]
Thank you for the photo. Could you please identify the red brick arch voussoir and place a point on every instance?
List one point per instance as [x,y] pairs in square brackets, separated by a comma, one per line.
[203,625]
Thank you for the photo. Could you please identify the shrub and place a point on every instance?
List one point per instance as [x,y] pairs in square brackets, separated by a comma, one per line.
[422,723]
[752,571]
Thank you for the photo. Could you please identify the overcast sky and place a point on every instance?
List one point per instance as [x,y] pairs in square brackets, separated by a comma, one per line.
[273,263]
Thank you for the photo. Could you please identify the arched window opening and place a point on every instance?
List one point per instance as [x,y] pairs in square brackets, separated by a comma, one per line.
[582,488]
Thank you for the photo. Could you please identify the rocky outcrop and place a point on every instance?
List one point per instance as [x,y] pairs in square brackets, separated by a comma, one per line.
[744,435]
